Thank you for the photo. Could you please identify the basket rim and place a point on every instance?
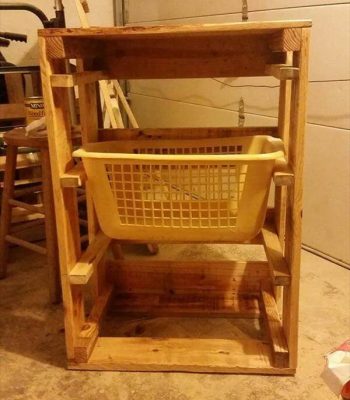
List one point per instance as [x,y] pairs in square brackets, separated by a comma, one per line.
[88,152]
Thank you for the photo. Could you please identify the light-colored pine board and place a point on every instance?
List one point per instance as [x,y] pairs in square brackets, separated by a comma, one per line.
[74,177]
[294,198]
[84,268]
[78,78]
[188,355]
[273,323]
[251,27]
[282,72]
[60,134]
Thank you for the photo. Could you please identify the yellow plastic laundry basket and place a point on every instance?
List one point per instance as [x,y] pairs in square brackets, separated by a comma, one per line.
[210,190]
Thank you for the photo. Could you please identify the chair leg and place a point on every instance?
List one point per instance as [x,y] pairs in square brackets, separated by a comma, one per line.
[50,229]
[6,209]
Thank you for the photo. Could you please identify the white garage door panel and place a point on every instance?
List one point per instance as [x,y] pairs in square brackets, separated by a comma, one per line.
[155,10]
[330,38]
[327,191]
[153,112]
[329,102]
[329,57]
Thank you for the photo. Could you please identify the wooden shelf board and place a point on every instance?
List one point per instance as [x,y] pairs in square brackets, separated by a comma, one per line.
[184,354]
[175,30]
[185,305]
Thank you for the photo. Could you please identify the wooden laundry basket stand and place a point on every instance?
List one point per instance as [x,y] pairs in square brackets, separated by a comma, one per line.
[277,49]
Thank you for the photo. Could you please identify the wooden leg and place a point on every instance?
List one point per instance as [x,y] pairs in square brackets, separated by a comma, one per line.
[6,209]
[50,229]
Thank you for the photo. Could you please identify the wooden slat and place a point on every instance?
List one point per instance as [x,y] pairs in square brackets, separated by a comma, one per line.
[184,57]
[214,278]
[15,88]
[182,133]
[186,305]
[23,243]
[60,135]
[190,355]
[252,28]
[278,341]
[79,78]
[30,207]
[75,177]
[278,265]
[84,268]
[294,197]
[12,111]
[89,333]
[282,72]
[284,178]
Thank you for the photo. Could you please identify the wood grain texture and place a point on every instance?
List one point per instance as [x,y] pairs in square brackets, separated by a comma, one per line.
[273,323]
[59,128]
[87,263]
[176,30]
[196,278]
[183,133]
[294,197]
[185,305]
[190,355]
[279,269]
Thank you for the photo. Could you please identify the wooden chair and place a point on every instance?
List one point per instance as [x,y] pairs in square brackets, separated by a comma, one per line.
[15,139]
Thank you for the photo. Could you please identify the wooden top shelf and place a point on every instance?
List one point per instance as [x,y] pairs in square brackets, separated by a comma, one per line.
[182,51]
[175,30]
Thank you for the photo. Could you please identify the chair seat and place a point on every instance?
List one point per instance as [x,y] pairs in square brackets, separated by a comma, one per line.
[18,137]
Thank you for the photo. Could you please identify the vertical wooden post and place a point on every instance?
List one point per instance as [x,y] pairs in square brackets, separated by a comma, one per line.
[294,196]
[6,208]
[88,103]
[281,191]
[66,208]
[50,229]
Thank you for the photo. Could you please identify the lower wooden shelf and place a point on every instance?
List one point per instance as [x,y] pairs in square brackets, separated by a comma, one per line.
[183,354]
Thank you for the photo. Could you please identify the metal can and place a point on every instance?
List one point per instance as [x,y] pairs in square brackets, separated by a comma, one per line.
[34,108]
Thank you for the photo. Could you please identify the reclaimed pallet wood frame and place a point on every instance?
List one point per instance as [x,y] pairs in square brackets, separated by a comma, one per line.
[269,290]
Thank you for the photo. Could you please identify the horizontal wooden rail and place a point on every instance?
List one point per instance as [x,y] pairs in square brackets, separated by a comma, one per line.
[282,71]
[24,243]
[79,78]
[279,347]
[278,265]
[75,177]
[283,178]
[30,207]
[84,268]
[184,133]
[26,225]
[29,190]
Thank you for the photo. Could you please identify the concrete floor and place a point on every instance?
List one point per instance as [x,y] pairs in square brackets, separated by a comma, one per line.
[32,353]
